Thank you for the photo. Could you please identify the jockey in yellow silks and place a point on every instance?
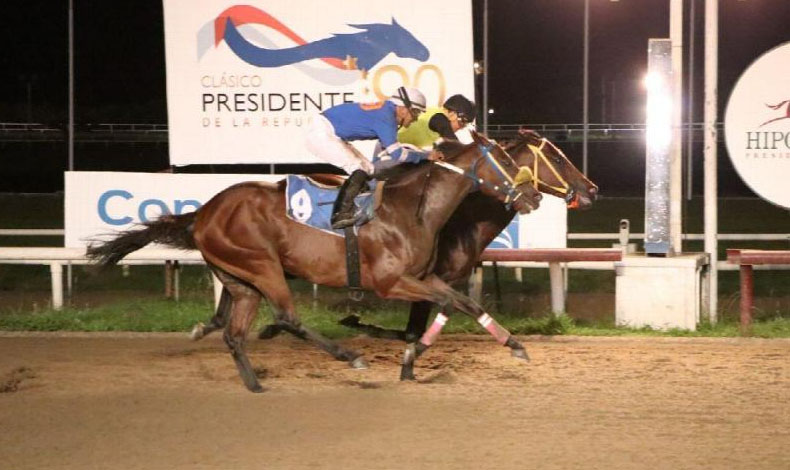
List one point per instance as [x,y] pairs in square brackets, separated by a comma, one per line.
[449,122]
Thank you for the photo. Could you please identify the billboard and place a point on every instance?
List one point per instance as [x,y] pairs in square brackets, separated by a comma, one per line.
[100,204]
[757,126]
[244,80]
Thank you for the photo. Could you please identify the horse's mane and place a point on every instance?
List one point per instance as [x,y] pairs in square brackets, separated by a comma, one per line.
[521,139]
[451,148]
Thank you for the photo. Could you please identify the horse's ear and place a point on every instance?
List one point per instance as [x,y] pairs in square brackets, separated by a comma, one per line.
[479,138]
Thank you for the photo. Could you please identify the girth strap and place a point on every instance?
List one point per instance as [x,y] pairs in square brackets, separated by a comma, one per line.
[352,265]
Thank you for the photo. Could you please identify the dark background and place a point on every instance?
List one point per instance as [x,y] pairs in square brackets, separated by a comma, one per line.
[535,76]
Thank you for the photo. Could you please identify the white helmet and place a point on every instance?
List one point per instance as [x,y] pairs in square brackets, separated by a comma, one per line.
[411,98]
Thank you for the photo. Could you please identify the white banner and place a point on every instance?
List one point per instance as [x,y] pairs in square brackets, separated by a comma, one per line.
[243,80]
[99,204]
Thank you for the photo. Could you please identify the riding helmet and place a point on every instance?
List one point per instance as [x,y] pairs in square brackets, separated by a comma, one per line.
[409,97]
[464,108]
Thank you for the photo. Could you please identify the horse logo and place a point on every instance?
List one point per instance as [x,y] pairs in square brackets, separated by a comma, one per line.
[786,104]
[355,51]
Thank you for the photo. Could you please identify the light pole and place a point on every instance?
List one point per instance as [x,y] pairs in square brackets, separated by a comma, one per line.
[71,87]
[710,174]
[586,84]
[485,67]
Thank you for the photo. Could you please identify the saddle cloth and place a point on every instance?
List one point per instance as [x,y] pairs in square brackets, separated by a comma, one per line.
[310,203]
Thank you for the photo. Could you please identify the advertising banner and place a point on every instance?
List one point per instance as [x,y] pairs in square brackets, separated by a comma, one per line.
[757,126]
[100,204]
[245,79]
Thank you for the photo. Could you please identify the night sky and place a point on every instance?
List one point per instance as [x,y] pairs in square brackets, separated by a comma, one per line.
[535,56]
[535,76]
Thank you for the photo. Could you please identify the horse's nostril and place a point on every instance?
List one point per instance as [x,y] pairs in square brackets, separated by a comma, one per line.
[538,197]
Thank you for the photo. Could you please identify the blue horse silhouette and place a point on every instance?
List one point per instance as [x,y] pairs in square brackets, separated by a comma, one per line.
[363,50]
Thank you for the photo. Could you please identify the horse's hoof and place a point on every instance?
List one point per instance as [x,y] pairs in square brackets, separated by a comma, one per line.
[257,388]
[359,363]
[350,321]
[407,376]
[520,354]
[197,332]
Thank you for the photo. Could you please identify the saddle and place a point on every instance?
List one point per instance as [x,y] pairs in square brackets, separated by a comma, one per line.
[309,200]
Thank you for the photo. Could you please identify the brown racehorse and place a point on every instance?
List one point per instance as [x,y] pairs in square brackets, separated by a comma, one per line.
[245,236]
[476,222]
[480,218]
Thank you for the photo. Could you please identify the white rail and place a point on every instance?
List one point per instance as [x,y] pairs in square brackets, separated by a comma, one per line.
[56,258]
[687,236]
[32,232]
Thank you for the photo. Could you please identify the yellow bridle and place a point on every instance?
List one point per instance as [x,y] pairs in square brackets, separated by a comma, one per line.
[540,155]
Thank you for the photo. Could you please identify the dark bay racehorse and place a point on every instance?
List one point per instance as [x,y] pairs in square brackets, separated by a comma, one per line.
[480,218]
[247,240]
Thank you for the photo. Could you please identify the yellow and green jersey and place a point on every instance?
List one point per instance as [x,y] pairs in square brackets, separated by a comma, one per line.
[418,133]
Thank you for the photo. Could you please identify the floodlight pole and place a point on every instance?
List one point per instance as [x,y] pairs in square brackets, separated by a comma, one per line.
[710,298]
[71,86]
[676,155]
[485,68]
[585,86]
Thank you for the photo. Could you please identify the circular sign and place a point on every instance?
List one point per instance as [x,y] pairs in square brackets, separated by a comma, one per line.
[757,126]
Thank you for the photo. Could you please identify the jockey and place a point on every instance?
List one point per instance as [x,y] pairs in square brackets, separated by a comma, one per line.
[329,134]
[450,122]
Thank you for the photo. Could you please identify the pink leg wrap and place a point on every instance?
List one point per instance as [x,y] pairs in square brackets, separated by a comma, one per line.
[496,330]
[433,332]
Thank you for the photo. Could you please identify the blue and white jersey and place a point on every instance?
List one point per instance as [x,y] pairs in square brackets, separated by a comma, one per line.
[375,121]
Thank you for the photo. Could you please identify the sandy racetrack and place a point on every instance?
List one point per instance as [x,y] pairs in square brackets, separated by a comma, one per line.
[151,401]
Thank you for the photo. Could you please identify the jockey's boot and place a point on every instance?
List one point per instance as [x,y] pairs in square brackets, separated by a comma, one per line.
[344,210]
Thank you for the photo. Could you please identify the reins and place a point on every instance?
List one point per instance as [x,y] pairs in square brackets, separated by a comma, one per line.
[508,188]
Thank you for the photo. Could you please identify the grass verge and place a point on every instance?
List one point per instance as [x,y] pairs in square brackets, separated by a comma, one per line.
[163,315]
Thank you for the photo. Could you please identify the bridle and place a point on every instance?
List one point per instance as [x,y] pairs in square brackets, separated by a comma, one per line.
[508,184]
[564,188]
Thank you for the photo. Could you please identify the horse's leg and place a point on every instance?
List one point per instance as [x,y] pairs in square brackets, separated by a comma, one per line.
[474,310]
[244,308]
[418,321]
[219,319]
[354,358]
[436,290]
[275,288]
[270,331]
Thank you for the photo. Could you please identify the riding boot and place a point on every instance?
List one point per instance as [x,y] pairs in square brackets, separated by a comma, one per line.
[343,212]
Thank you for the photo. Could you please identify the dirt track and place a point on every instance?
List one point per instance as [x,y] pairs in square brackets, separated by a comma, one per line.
[130,401]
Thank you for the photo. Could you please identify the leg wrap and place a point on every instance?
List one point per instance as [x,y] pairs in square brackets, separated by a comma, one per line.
[496,330]
[433,332]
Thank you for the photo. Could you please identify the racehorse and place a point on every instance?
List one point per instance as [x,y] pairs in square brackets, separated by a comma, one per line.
[248,241]
[480,218]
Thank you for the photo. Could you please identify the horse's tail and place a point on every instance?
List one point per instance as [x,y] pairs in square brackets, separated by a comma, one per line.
[171,230]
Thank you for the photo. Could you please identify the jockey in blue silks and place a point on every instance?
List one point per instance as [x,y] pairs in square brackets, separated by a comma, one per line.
[329,134]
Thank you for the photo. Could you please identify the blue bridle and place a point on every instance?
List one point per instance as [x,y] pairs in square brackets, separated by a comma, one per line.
[508,184]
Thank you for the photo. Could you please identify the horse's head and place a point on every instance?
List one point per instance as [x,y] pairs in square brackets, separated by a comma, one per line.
[496,174]
[552,172]
[401,41]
